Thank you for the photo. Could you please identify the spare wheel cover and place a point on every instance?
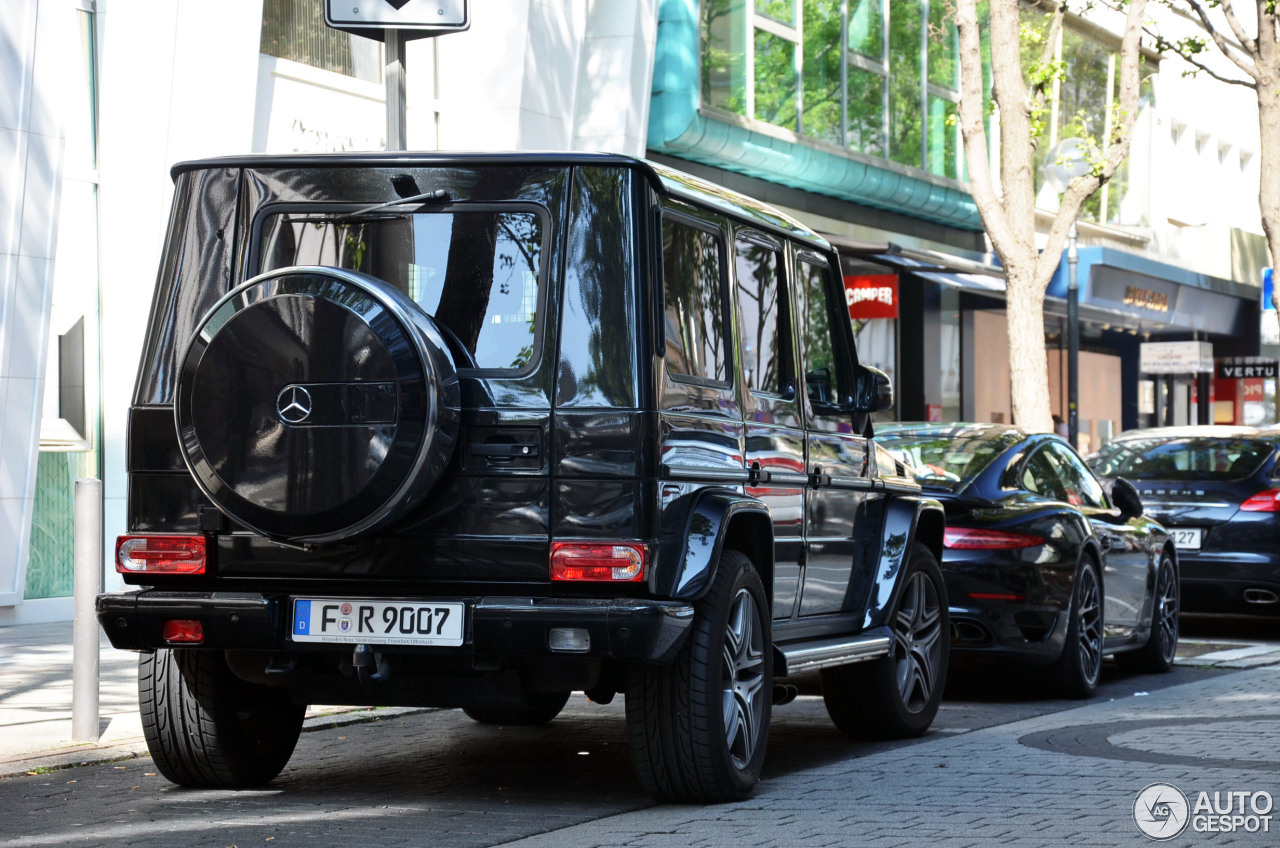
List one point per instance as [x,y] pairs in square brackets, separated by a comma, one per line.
[315,404]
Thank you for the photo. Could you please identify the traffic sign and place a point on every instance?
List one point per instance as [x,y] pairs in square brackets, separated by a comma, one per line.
[420,17]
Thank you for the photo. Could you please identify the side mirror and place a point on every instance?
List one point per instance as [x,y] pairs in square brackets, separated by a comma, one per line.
[1126,498]
[874,391]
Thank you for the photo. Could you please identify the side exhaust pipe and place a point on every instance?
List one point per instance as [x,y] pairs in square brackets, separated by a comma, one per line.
[1260,596]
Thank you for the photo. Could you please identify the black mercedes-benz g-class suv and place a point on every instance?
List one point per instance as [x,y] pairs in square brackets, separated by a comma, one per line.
[479,431]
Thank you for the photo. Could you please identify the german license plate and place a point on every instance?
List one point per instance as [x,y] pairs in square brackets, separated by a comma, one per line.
[1186,537]
[378,622]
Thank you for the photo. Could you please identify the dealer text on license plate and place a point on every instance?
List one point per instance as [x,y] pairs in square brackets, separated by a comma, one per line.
[378,622]
[1186,537]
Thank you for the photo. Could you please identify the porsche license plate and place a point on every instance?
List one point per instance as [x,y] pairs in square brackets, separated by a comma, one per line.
[354,621]
[1186,537]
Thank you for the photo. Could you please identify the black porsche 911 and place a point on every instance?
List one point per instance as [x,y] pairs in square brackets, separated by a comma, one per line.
[1217,490]
[1041,564]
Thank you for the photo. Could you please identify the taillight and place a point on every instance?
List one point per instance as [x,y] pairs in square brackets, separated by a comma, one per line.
[184,630]
[1268,501]
[160,555]
[592,561]
[973,539]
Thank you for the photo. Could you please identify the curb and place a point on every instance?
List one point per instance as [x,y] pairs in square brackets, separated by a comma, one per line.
[59,759]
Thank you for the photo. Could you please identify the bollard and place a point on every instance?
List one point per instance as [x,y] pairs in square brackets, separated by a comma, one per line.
[87,530]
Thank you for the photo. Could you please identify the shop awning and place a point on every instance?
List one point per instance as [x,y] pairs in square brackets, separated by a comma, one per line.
[959,272]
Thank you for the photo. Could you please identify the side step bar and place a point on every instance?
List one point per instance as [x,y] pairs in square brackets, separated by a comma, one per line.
[843,650]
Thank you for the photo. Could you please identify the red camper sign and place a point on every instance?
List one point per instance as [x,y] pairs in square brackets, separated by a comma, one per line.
[871,296]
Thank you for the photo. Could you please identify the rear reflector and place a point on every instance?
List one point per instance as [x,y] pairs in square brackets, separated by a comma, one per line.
[995,596]
[1268,501]
[182,630]
[968,538]
[590,561]
[160,555]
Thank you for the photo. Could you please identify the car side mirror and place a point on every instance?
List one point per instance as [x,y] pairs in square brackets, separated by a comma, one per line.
[874,391]
[1126,498]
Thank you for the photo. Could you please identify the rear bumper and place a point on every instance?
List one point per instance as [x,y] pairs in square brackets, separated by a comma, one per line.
[638,630]
[1241,582]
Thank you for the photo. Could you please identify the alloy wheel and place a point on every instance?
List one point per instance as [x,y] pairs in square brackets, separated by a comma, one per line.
[1089,615]
[743,684]
[917,642]
[1166,614]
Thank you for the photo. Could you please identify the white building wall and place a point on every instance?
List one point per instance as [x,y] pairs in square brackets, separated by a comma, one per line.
[34,36]
[178,81]
[527,75]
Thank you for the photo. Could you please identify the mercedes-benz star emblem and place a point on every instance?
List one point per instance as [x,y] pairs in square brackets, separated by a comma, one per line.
[293,404]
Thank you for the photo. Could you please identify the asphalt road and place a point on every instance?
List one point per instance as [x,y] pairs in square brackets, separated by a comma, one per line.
[436,778]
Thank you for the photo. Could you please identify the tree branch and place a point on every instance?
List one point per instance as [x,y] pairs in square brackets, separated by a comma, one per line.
[1220,40]
[1165,46]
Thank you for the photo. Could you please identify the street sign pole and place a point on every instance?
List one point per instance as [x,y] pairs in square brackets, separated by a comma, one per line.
[396,22]
[1073,341]
[397,105]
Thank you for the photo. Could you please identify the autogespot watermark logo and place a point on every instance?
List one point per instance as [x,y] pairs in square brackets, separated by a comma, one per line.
[1162,811]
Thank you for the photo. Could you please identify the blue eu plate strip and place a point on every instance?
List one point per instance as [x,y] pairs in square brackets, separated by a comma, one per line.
[301,617]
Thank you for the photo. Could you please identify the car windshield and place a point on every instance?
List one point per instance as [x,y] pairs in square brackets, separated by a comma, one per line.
[477,271]
[947,459]
[1163,458]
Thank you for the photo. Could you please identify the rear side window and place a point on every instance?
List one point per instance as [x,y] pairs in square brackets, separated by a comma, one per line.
[1194,458]
[693,301]
[758,270]
[477,272]
[821,372]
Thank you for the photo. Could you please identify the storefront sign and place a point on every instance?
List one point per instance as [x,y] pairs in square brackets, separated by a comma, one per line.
[871,296]
[1146,299]
[1176,357]
[1142,299]
[1248,368]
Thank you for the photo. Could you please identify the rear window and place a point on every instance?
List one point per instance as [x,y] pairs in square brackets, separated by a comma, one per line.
[1181,459]
[946,461]
[478,272]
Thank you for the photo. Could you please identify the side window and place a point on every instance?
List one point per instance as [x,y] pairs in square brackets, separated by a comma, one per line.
[821,371]
[764,352]
[1082,488]
[694,324]
[1040,476]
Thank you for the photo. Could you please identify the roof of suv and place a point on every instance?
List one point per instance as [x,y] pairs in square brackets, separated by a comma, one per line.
[666,180]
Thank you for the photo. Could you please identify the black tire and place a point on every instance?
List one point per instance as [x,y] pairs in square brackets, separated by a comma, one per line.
[207,728]
[897,696]
[543,707]
[1075,673]
[699,727]
[1156,656]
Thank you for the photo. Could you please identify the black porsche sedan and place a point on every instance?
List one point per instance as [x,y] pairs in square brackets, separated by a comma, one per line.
[1041,565]
[1217,490]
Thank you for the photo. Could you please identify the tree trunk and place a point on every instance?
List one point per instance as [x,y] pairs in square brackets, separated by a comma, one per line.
[1028,364]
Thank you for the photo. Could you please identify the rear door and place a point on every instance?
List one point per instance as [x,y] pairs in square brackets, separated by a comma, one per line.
[836,458]
[775,440]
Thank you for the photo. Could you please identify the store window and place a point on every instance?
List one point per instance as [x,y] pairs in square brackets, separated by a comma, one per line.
[295,30]
[879,78]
